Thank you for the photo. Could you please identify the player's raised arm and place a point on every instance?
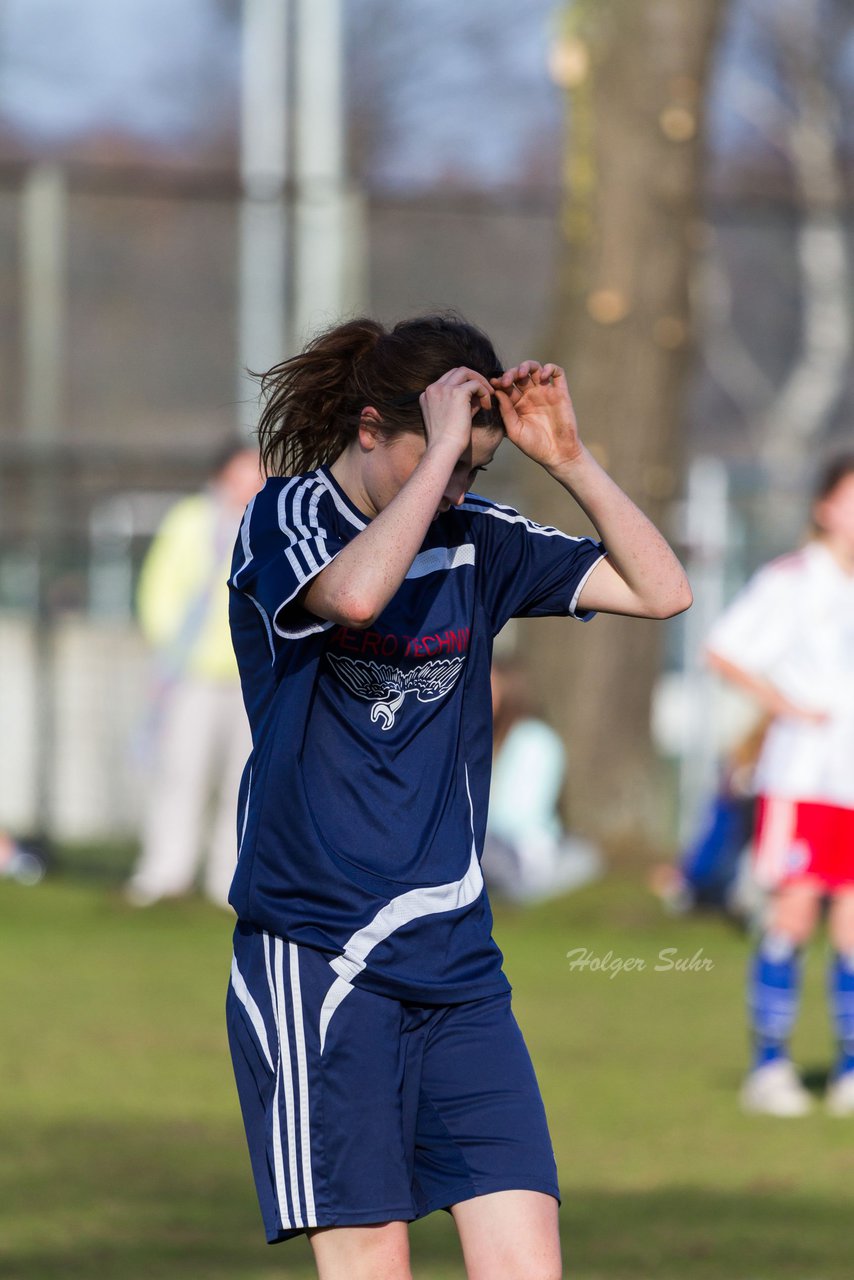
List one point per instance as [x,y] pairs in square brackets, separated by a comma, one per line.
[640,575]
[434,470]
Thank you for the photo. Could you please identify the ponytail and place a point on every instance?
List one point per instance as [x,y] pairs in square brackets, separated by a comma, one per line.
[310,412]
[313,401]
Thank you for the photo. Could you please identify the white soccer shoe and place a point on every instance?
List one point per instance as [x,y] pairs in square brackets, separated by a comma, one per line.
[839,1099]
[775,1090]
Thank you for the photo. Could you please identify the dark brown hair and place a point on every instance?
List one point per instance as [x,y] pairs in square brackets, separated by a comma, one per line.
[833,473]
[313,401]
[836,469]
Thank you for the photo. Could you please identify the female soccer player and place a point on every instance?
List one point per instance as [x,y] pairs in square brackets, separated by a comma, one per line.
[788,640]
[380,1070]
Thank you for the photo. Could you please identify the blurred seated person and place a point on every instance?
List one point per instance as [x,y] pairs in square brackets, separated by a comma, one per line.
[21,860]
[527,856]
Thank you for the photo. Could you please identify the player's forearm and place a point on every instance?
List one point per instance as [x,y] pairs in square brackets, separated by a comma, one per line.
[656,583]
[355,588]
[768,696]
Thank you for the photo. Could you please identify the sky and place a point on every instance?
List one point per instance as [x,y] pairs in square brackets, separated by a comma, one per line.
[442,91]
[467,97]
[160,70]
[748,70]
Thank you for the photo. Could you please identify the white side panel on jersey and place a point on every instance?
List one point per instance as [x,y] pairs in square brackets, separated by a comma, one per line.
[438,559]
[408,907]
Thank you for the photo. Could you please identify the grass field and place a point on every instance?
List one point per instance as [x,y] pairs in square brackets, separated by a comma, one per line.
[122,1154]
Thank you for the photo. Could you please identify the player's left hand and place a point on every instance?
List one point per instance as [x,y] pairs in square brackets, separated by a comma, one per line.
[537,412]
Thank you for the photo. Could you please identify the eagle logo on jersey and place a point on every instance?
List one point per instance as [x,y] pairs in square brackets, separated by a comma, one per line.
[387,686]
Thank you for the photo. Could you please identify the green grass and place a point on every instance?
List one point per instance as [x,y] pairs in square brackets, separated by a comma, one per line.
[122,1154]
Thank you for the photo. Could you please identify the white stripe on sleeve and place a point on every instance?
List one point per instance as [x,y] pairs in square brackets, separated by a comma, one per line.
[244,539]
[573,604]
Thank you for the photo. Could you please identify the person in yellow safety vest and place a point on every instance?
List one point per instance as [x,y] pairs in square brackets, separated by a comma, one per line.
[196,736]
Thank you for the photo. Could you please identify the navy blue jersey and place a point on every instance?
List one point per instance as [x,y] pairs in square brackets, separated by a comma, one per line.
[363,805]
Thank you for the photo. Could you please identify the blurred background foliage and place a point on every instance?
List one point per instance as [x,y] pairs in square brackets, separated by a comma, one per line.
[657,194]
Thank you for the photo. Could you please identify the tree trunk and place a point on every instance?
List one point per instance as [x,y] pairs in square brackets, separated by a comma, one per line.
[635,72]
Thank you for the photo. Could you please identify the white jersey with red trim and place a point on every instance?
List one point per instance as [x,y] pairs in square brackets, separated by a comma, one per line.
[793,624]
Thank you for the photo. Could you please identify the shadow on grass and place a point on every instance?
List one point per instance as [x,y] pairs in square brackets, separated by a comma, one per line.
[145,1201]
[678,1233]
[816,1078]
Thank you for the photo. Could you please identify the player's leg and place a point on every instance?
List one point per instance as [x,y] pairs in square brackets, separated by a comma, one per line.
[795,910]
[774,982]
[378,1252]
[482,1144]
[319,1069]
[512,1234]
[783,854]
[840,1097]
[775,975]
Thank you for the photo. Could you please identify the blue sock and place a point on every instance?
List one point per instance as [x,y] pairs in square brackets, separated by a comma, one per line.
[840,981]
[773,988]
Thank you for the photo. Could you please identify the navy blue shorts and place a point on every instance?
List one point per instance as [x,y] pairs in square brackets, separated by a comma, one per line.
[361,1109]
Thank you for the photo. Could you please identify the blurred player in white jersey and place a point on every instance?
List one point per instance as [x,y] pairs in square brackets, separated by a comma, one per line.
[788,641]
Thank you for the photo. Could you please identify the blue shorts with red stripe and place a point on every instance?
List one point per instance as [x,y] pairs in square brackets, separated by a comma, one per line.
[361,1109]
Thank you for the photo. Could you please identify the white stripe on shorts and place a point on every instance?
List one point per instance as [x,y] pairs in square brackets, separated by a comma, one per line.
[775,841]
[278,1162]
[302,1077]
[287,1076]
[290,1201]
[245,997]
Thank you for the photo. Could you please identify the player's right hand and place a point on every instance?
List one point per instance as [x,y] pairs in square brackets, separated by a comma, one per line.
[448,406]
